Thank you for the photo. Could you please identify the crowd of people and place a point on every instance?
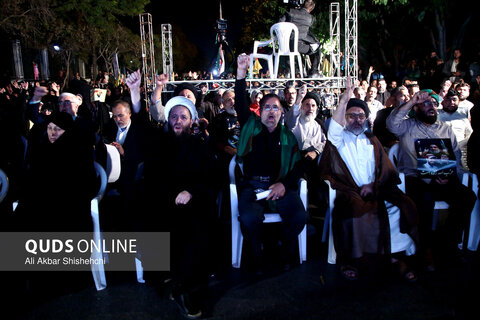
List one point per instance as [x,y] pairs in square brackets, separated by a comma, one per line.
[175,156]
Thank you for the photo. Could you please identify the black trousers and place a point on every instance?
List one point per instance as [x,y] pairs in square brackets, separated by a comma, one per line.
[192,228]
[304,47]
[459,198]
[251,218]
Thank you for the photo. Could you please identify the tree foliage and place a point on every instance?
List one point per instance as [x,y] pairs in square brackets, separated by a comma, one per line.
[389,31]
[92,30]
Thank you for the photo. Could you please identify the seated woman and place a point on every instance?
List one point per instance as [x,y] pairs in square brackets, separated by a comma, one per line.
[59,183]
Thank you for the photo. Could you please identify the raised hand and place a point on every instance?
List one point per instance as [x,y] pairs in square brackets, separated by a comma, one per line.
[243,61]
[161,79]
[183,197]
[302,92]
[133,80]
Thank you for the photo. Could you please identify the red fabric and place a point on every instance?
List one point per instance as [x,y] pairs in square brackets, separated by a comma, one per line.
[255,108]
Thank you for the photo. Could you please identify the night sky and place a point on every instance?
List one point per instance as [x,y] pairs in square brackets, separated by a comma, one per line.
[198,20]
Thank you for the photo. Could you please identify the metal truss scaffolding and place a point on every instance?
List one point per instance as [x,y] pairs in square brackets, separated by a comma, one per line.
[351,39]
[167,56]
[335,39]
[263,84]
[148,53]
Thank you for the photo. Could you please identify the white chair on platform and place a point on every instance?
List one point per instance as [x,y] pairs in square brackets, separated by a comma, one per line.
[282,32]
[98,270]
[256,55]
[237,237]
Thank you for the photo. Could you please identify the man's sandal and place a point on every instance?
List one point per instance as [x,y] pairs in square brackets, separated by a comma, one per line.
[405,272]
[349,272]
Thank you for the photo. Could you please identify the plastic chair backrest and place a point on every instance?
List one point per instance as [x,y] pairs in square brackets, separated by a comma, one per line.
[3,185]
[282,32]
[393,154]
[114,167]
[103,180]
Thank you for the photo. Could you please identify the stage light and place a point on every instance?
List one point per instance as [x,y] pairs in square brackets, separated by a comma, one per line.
[56,47]
[215,72]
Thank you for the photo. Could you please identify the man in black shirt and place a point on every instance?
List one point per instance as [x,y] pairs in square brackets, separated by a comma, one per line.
[270,155]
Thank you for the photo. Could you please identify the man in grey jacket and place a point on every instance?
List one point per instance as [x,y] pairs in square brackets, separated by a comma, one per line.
[307,42]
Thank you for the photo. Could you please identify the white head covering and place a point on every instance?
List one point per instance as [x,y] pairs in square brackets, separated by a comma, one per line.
[76,98]
[181,101]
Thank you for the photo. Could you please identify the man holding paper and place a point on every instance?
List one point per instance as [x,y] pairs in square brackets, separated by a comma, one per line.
[270,154]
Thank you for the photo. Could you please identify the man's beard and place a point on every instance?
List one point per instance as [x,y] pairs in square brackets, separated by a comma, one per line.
[356,128]
[230,111]
[426,119]
[184,133]
[307,117]
[450,109]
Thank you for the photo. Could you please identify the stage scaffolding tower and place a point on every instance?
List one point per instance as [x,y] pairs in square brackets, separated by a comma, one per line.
[167,55]
[148,54]
[351,39]
[335,39]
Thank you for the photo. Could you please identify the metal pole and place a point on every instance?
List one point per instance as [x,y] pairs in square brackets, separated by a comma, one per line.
[148,54]
[44,66]
[167,56]
[335,39]
[17,59]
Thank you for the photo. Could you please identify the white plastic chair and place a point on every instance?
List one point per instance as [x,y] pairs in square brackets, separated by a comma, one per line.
[3,185]
[98,270]
[138,262]
[281,32]
[113,168]
[474,233]
[237,237]
[268,57]
[439,205]
[399,241]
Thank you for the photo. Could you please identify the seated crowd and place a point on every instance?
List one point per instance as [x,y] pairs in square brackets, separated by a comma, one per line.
[175,157]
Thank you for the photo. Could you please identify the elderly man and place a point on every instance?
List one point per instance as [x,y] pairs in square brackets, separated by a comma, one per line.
[311,139]
[359,93]
[301,121]
[225,127]
[127,132]
[425,191]
[357,166]
[225,132]
[269,152]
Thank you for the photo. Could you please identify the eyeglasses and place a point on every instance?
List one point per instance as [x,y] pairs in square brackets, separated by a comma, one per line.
[430,103]
[355,116]
[270,108]
[64,102]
